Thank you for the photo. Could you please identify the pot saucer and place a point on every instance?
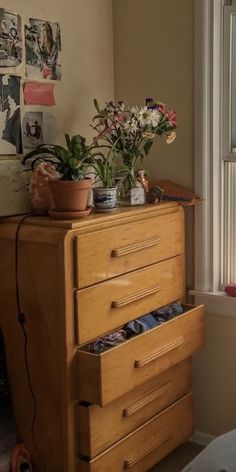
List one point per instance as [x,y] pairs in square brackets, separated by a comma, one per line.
[105,210]
[69,215]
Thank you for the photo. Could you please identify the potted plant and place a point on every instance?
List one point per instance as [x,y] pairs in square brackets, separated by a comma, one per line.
[70,192]
[105,194]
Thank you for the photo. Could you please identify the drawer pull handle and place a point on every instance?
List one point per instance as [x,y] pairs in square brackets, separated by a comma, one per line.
[131,462]
[164,350]
[123,251]
[135,296]
[146,400]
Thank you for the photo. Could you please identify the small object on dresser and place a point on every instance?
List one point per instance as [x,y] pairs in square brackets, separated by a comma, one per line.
[155,194]
[142,178]
[230,289]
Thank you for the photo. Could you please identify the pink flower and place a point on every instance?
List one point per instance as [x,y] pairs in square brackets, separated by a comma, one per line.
[171,117]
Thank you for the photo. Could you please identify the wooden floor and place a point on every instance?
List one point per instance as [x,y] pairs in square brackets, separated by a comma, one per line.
[179,458]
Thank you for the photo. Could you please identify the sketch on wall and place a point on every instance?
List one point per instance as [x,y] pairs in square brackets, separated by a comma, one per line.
[43,49]
[10,126]
[10,39]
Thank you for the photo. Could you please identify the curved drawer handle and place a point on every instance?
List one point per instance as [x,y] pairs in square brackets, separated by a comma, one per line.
[123,251]
[131,462]
[146,400]
[164,350]
[136,296]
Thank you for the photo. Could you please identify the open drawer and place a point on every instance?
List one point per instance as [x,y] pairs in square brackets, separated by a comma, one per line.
[107,376]
[147,445]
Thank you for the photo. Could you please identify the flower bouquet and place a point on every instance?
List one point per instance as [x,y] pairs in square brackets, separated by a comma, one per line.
[131,132]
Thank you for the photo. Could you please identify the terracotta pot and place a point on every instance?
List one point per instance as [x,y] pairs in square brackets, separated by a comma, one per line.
[70,195]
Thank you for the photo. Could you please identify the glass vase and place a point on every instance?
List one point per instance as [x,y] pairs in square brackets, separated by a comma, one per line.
[130,190]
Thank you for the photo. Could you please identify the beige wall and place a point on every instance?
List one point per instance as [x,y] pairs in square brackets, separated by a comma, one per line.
[87,55]
[153,56]
[214,367]
[153,49]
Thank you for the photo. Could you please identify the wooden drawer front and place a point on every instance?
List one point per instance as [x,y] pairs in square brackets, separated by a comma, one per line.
[107,376]
[111,304]
[148,444]
[119,418]
[107,253]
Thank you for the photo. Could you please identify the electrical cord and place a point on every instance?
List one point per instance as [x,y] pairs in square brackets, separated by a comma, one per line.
[22,321]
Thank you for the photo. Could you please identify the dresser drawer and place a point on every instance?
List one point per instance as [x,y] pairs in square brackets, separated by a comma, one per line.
[148,444]
[107,376]
[107,253]
[121,417]
[113,303]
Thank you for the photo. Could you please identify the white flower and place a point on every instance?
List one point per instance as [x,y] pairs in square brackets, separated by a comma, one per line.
[135,110]
[131,126]
[155,118]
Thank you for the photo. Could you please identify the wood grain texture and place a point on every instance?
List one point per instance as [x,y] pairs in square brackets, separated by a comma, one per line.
[48,280]
[117,250]
[122,416]
[148,444]
[118,373]
[119,300]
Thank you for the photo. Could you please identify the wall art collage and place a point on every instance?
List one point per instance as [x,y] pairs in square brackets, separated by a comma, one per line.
[40,44]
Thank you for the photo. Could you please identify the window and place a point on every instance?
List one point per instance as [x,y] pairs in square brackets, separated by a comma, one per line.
[215,143]
[229,146]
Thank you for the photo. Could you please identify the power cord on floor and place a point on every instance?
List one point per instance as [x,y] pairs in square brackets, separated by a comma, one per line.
[22,320]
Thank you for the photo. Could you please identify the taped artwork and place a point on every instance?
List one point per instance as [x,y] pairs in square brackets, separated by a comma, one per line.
[38,128]
[39,93]
[43,49]
[10,39]
[10,126]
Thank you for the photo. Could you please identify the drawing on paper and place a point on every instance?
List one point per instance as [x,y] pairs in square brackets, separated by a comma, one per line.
[10,126]
[10,39]
[43,49]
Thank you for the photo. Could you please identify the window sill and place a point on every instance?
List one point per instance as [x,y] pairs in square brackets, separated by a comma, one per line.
[216,302]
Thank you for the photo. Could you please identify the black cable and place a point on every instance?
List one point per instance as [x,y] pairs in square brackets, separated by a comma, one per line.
[22,320]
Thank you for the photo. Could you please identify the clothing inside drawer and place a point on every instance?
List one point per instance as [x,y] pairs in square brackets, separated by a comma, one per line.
[137,326]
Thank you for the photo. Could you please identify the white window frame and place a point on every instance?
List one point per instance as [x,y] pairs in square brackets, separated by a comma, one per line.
[208,143]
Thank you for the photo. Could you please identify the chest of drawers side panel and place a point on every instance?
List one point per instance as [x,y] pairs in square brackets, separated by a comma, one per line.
[42,298]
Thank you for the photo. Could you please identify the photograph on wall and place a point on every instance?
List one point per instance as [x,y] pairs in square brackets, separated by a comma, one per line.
[32,130]
[10,39]
[10,125]
[43,50]
[38,128]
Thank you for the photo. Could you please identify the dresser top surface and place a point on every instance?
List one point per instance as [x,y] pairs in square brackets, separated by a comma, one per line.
[96,218]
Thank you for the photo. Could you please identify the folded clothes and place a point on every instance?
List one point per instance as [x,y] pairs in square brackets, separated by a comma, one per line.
[135,327]
[167,312]
[140,325]
[106,342]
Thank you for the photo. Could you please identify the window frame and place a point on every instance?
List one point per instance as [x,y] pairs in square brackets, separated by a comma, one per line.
[208,143]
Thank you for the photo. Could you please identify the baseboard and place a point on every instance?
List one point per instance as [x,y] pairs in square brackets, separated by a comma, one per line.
[201,438]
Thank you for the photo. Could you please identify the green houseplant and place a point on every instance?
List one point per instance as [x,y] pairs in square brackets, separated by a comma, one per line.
[105,194]
[70,192]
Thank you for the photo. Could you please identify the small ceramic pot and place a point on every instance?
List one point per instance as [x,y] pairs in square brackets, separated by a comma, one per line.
[105,199]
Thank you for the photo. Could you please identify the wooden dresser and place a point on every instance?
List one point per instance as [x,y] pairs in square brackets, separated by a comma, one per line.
[128,407]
